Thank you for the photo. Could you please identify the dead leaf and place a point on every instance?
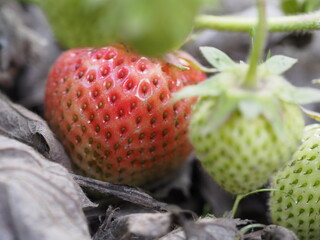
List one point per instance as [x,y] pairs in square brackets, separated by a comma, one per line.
[209,229]
[21,124]
[13,46]
[124,192]
[142,225]
[43,51]
[274,232]
[118,224]
[28,49]
[39,199]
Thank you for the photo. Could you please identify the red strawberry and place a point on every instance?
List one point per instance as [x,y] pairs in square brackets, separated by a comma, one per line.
[111,109]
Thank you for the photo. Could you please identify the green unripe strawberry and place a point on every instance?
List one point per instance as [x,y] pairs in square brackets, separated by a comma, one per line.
[295,203]
[244,133]
[241,154]
[151,27]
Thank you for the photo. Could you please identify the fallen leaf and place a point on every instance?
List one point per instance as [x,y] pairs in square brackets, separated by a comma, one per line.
[124,192]
[39,199]
[139,225]
[209,229]
[21,124]
[274,232]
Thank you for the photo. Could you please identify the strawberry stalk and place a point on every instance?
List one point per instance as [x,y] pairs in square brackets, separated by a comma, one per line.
[258,45]
[249,227]
[301,22]
[239,197]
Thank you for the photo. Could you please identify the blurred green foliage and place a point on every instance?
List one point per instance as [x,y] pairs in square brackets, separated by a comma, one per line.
[152,27]
[210,6]
[300,6]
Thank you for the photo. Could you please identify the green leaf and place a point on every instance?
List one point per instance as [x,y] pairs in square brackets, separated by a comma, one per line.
[314,115]
[292,6]
[224,107]
[210,87]
[279,64]
[300,6]
[217,58]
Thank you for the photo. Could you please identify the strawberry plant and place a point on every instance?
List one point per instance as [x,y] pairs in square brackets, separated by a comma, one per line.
[106,107]
[239,132]
[245,115]
[130,108]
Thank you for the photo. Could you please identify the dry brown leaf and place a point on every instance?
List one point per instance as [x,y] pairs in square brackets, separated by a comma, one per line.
[39,199]
[127,193]
[27,127]
[28,49]
[207,228]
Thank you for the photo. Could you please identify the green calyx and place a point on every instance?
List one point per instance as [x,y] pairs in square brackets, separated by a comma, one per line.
[230,94]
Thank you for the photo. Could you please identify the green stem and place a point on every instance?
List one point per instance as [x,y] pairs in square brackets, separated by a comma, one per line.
[236,205]
[303,22]
[242,196]
[245,229]
[260,36]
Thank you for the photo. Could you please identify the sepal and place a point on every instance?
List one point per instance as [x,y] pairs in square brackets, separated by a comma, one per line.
[278,64]
[211,87]
[191,61]
[249,108]
[289,93]
[273,112]
[224,108]
[217,58]
[312,114]
[299,95]
[304,95]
